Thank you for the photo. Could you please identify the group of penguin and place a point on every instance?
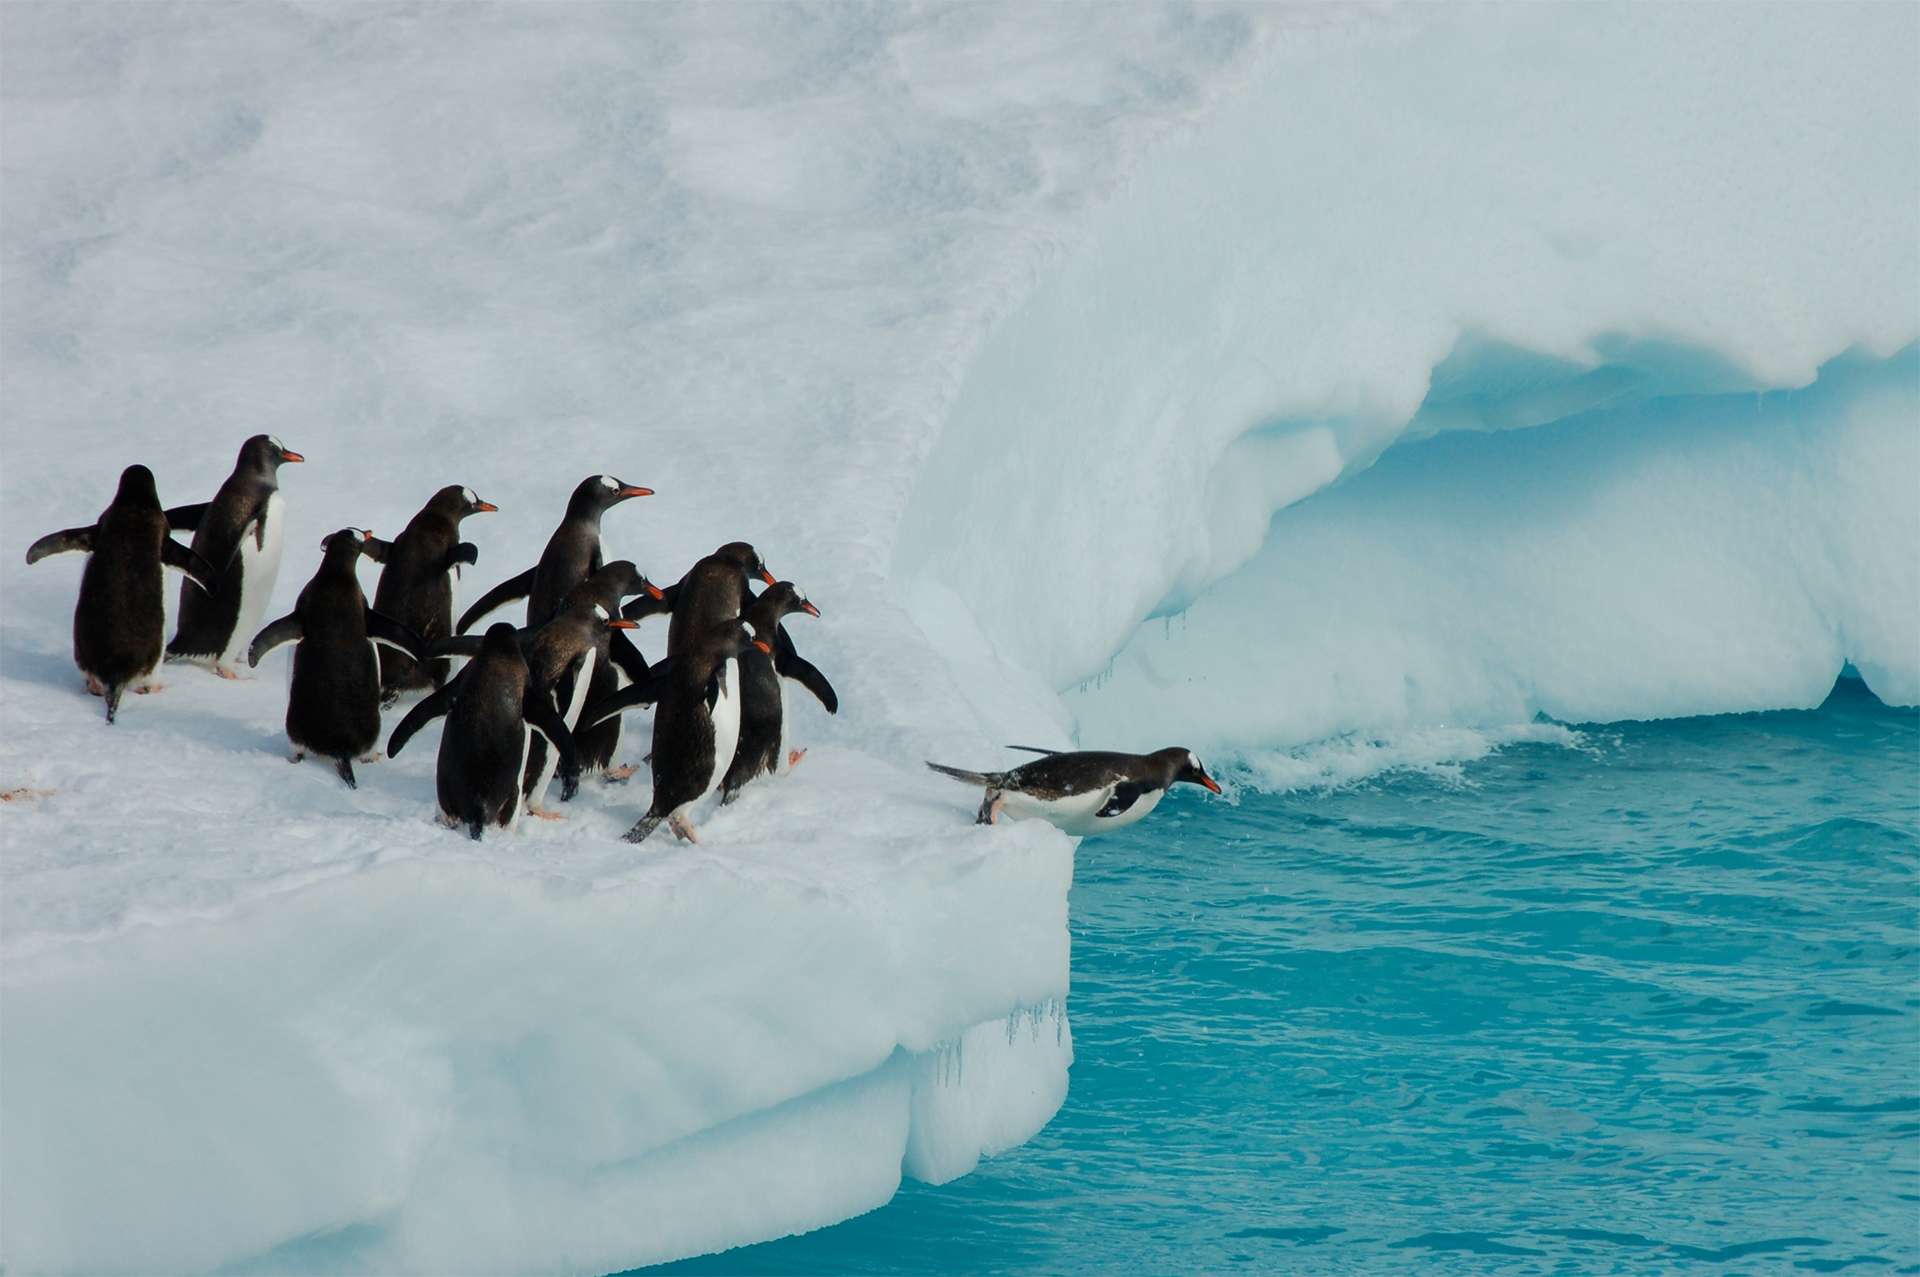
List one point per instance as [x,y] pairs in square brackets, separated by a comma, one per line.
[530,703]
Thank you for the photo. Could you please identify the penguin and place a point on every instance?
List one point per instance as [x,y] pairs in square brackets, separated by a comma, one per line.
[572,554]
[240,532]
[491,718]
[713,590]
[1084,792]
[695,728]
[333,702]
[419,580]
[120,619]
[572,659]
[762,711]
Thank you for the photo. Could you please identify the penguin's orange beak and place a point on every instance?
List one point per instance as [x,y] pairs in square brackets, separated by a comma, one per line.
[764,646]
[653,591]
[1209,782]
[621,623]
[291,456]
[767,577]
[636,492]
[486,507]
[809,608]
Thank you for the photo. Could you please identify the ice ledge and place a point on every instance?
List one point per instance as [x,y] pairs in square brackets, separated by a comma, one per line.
[428,1066]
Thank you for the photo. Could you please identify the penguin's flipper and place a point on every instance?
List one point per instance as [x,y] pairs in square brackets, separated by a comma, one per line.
[628,657]
[468,645]
[790,664]
[1033,749]
[198,570]
[1124,795]
[645,605]
[632,696]
[281,632]
[465,553]
[186,518]
[429,708]
[65,541]
[514,587]
[988,779]
[543,718]
[376,549]
[716,687]
[383,629]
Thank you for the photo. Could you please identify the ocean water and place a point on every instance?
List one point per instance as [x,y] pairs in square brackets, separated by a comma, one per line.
[1647,1003]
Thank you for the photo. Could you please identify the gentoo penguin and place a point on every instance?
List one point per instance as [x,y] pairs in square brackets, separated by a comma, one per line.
[696,726]
[572,554]
[419,580]
[240,533]
[333,703]
[491,718]
[572,658]
[1085,792]
[120,619]
[713,590]
[762,714]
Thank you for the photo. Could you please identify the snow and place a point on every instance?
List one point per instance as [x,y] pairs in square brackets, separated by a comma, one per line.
[1426,369]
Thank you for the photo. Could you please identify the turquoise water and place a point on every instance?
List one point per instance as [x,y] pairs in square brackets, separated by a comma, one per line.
[1646,1005]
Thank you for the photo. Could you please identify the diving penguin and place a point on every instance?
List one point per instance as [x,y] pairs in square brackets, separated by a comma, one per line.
[333,702]
[1084,792]
[419,580]
[491,718]
[240,532]
[120,619]
[762,708]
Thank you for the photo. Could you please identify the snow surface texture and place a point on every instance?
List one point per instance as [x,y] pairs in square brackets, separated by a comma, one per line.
[998,331]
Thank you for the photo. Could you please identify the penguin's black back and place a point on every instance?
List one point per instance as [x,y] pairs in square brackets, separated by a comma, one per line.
[761,710]
[415,589]
[206,620]
[477,777]
[333,704]
[119,621]
[713,590]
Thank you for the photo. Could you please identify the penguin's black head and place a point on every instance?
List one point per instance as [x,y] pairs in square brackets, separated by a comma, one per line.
[266,453]
[501,639]
[457,502]
[136,484]
[746,558]
[1188,768]
[612,622]
[730,638]
[785,600]
[346,543]
[600,492]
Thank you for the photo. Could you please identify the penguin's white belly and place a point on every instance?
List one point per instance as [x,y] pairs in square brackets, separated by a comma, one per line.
[570,714]
[526,745]
[259,568]
[726,726]
[1074,814]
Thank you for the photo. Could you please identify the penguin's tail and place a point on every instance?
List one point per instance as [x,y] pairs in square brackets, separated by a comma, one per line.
[989,779]
[114,692]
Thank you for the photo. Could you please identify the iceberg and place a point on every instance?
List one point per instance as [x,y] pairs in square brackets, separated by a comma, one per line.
[1244,376]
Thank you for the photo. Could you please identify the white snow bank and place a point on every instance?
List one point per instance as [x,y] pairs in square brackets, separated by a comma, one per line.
[1478,219]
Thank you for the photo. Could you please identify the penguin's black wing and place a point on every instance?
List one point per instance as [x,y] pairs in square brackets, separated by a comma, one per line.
[1124,795]
[462,645]
[628,657]
[376,549]
[790,664]
[540,714]
[632,696]
[185,518]
[281,632]
[466,552]
[1033,749]
[65,541]
[425,712]
[646,605]
[198,570]
[382,628]
[514,587]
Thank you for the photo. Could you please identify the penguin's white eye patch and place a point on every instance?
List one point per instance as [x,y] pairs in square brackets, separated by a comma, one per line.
[1194,763]
[601,612]
[466,494]
[359,534]
[274,440]
[608,481]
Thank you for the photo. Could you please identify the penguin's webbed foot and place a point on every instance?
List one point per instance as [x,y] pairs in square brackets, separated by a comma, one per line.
[990,808]
[297,756]
[619,775]
[371,756]
[544,814]
[148,689]
[228,672]
[793,758]
[683,829]
[95,687]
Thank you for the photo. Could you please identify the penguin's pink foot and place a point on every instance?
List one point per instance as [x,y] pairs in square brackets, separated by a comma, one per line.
[371,756]
[623,772]
[95,687]
[683,829]
[793,758]
[148,689]
[296,755]
[998,805]
[231,675]
[544,814]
